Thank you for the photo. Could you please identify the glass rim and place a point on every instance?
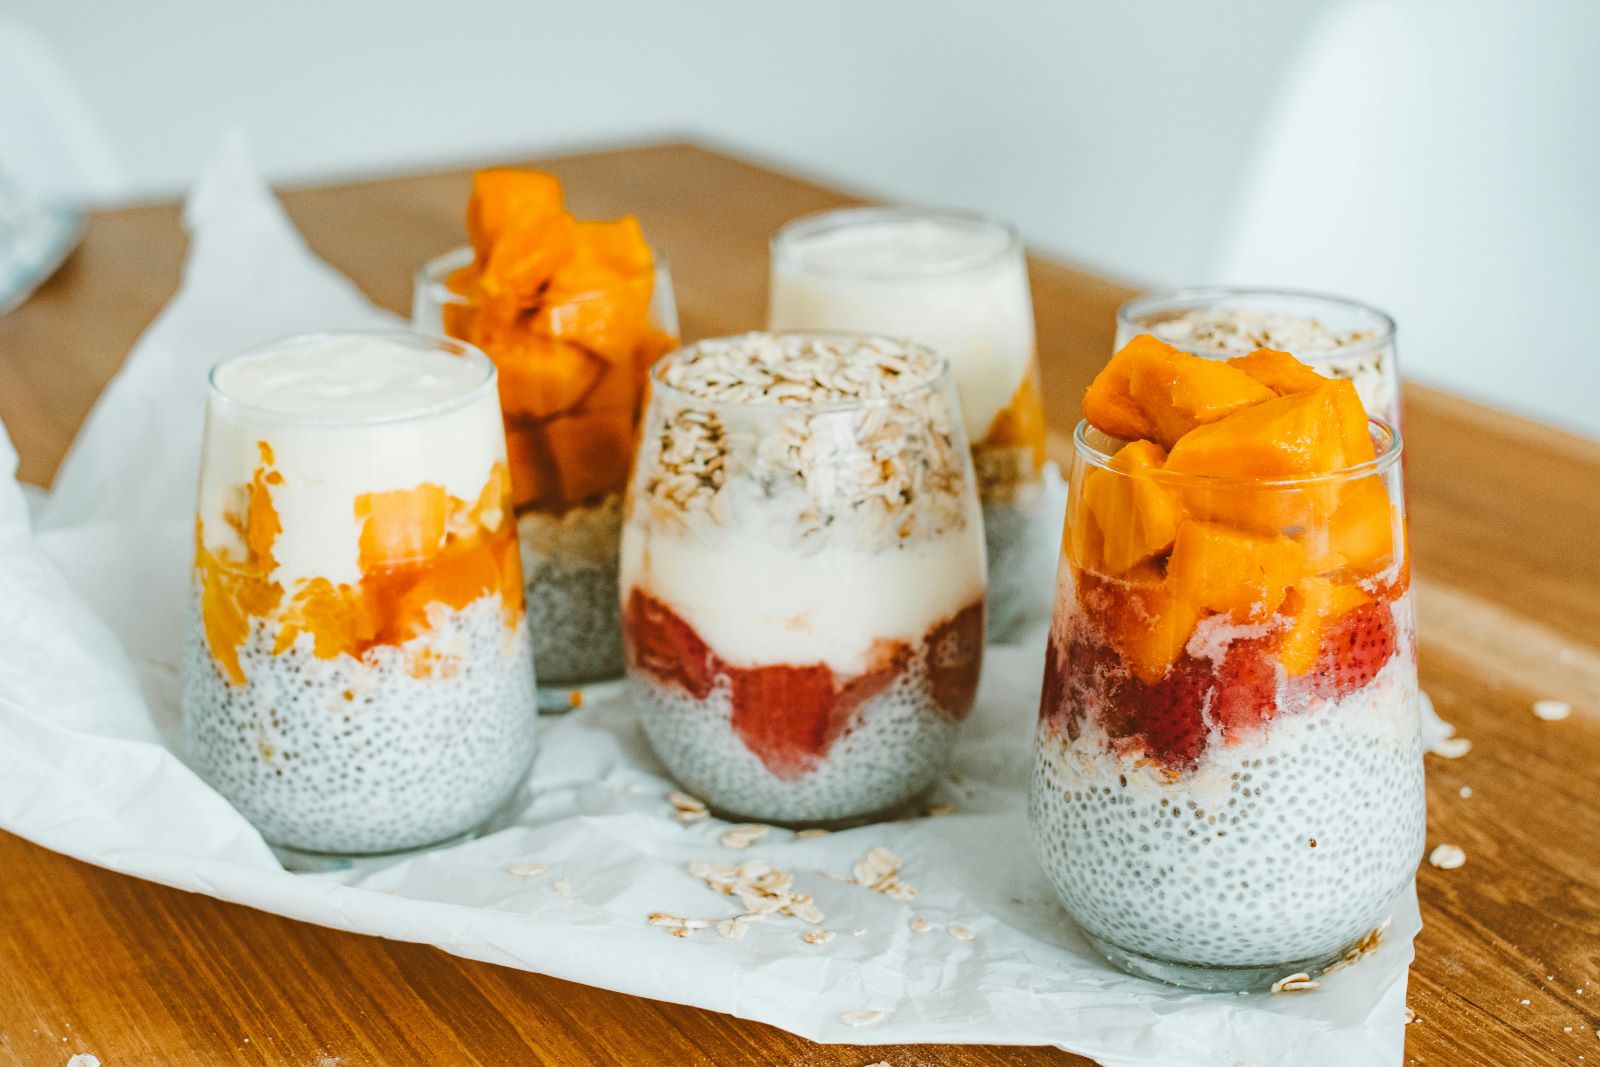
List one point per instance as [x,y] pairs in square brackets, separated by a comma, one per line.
[430,278]
[399,335]
[1198,296]
[782,248]
[1381,463]
[940,381]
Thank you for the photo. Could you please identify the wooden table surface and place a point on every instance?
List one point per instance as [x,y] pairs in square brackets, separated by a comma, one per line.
[1506,527]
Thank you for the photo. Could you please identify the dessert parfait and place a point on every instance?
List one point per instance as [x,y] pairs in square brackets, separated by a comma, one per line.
[959,284]
[803,574]
[572,312]
[1338,338]
[357,678]
[1228,782]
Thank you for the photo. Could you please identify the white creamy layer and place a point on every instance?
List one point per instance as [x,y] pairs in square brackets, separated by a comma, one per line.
[755,601]
[936,283]
[343,416]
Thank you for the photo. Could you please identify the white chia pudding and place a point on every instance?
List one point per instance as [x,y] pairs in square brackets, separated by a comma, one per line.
[1275,853]
[348,755]
[802,575]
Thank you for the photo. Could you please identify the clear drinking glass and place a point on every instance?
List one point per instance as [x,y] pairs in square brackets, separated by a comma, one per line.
[803,574]
[957,282]
[1338,338]
[1228,782]
[571,395]
[357,678]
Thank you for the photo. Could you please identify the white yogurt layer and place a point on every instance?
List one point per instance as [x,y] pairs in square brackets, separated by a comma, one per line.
[756,600]
[947,285]
[342,416]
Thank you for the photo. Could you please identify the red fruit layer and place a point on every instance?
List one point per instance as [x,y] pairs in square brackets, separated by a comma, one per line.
[1171,720]
[790,715]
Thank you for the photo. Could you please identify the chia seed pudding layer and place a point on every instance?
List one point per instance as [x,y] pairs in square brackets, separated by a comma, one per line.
[892,749]
[1286,845]
[348,755]
[570,568]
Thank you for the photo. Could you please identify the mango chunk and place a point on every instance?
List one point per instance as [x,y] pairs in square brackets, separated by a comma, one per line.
[591,453]
[1223,569]
[1278,371]
[1360,532]
[401,525]
[540,377]
[1135,516]
[527,257]
[1156,626]
[502,196]
[1313,603]
[1151,390]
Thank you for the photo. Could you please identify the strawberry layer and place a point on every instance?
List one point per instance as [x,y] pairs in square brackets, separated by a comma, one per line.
[790,714]
[1225,688]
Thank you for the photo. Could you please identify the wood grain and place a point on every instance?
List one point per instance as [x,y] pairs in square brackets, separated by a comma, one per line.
[1504,514]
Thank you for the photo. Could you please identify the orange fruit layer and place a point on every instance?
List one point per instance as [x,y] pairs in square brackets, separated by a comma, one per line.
[419,548]
[1153,557]
[562,306]
[1020,424]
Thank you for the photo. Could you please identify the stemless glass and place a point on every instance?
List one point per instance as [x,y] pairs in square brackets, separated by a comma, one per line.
[357,677]
[571,391]
[803,574]
[957,282]
[1338,338]
[1228,781]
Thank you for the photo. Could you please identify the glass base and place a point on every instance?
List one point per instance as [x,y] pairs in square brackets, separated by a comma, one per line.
[1208,978]
[301,861]
[909,808]
[560,699]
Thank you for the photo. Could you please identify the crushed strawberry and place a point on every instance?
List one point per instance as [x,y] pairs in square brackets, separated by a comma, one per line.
[1354,649]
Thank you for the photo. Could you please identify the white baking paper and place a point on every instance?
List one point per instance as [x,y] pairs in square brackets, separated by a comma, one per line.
[92,602]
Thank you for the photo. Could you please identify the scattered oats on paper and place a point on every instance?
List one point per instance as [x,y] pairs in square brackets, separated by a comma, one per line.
[743,836]
[860,1018]
[1447,857]
[527,870]
[1296,983]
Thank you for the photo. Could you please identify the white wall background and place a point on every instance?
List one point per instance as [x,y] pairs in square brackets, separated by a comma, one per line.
[1164,141]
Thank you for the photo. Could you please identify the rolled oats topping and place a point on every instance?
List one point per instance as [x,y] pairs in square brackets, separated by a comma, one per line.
[1243,330]
[844,433]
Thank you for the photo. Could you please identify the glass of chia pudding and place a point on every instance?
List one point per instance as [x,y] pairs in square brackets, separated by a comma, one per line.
[357,678]
[1228,782]
[957,282]
[573,312]
[1338,338]
[803,574]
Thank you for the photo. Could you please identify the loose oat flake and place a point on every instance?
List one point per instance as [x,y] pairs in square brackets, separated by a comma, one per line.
[1447,857]
[935,810]
[1360,950]
[1296,983]
[1551,710]
[919,925]
[879,871]
[960,933]
[562,887]
[686,809]
[860,1018]
[1411,1016]
[528,870]
[815,831]
[1451,747]
[743,836]
[817,937]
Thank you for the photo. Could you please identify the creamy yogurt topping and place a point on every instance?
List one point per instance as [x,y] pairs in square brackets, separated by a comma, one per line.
[756,601]
[948,284]
[341,416]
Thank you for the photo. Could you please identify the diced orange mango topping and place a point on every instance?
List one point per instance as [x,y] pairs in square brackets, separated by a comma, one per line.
[1165,552]
[1152,391]
[1135,516]
[562,306]
[1278,371]
[1223,569]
